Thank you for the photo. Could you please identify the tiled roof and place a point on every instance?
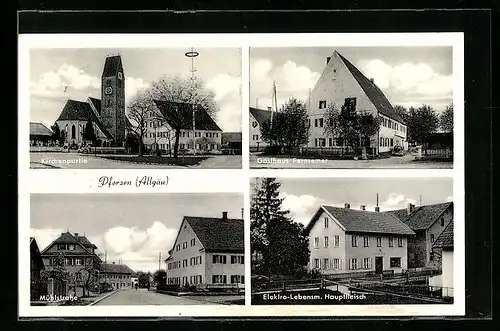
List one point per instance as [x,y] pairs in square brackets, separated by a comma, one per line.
[399,213]
[96,103]
[364,221]
[375,95]
[217,234]
[38,129]
[81,111]
[116,269]
[424,216]
[230,137]
[112,65]
[445,239]
[177,112]
[68,238]
[261,115]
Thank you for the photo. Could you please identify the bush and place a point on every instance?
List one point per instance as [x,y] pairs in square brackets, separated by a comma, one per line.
[272,150]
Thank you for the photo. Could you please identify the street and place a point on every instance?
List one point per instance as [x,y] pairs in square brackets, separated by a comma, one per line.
[54,160]
[397,162]
[145,297]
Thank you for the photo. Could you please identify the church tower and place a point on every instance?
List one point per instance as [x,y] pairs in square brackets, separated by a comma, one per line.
[113,99]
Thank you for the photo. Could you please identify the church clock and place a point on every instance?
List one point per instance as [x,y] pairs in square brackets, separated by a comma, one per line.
[108,90]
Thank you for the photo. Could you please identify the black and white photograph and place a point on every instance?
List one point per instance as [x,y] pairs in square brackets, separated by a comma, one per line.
[351,107]
[352,241]
[137,249]
[97,108]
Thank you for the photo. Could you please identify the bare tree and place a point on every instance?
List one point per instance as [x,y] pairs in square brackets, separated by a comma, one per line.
[138,109]
[183,94]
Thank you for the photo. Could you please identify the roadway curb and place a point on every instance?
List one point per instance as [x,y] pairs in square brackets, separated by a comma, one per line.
[102,298]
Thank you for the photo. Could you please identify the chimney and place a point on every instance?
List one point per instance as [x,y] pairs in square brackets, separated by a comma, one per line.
[269,108]
[372,80]
[113,262]
[409,209]
[224,215]
[76,234]
[328,59]
[62,233]
[377,209]
[363,207]
[347,205]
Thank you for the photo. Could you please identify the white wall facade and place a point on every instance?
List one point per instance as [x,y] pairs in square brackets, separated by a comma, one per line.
[66,127]
[255,134]
[391,133]
[435,230]
[230,272]
[447,275]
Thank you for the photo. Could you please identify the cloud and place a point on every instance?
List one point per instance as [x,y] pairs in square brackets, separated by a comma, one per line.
[396,201]
[227,90]
[302,207]
[44,237]
[134,85]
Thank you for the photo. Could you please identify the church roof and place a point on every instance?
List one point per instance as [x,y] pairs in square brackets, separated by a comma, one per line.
[112,65]
[182,113]
[81,111]
[96,103]
[374,93]
[260,115]
[38,129]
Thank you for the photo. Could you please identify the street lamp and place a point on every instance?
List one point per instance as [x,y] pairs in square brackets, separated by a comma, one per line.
[192,54]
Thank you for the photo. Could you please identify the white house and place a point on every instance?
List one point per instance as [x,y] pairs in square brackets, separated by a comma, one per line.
[257,118]
[208,252]
[342,83]
[444,246]
[344,240]
[162,121]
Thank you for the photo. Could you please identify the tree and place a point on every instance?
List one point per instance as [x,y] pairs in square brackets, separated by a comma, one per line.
[55,270]
[446,119]
[57,134]
[402,112]
[289,126]
[137,111]
[278,244]
[421,123]
[87,276]
[144,279]
[343,124]
[188,94]
[88,132]
[160,277]
[368,126]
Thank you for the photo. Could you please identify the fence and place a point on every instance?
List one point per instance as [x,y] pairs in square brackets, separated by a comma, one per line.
[438,153]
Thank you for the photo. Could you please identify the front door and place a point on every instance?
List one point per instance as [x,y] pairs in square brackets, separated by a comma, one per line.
[379,262]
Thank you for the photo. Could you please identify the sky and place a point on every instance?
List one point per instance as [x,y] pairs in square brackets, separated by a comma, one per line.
[303,196]
[408,76]
[78,71]
[132,228]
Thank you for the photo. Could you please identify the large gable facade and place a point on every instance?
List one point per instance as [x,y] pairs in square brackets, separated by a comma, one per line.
[257,118]
[342,82]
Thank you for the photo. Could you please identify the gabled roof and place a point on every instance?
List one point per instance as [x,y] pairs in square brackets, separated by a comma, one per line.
[362,221]
[111,268]
[182,113]
[38,129]
[374,93]
[230,137]
[422,217]
[112,65]
[96,103]
[445,239]
[217,234]
[69,238]
[81,111]
[261,115]
[35,252]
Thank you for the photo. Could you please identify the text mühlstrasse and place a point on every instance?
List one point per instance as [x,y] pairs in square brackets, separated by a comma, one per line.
[109,181]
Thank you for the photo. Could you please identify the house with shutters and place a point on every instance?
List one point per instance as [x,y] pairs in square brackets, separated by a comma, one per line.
[344,240]
[428,222]
[167,117]
[342,84]
[73,252]
[118,275]
[257,118]
[107,114]
[208,252]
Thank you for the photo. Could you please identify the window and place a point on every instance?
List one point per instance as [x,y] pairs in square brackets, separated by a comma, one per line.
[316,263]
[326,242]
[326,264]
[379,241]
[315,122]
[431,256]
[354,240]
[255,137]
[386,142]
[78,261]
[336,264]
[322,104]
[381,142]
[73,132]
[236,279]
[193,242]
[219,259]
[354,264]
[178,248]
[322,141]
[392,142]
[320,122]
[236,259]
[395,262]
[366,241]
[219,279]
[316,242]
[325,222]
[184,245]
[184,263]
[442,221]
[391,242]
[432,238]
[336,241]
[400,242]
[366,263]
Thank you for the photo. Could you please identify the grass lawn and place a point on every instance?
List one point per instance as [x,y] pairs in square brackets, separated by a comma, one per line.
[180,161]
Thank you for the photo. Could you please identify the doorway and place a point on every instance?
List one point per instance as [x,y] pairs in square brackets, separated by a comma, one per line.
[379,264]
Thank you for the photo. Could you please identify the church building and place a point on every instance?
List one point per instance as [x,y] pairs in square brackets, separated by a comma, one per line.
[106,114]
[341,83]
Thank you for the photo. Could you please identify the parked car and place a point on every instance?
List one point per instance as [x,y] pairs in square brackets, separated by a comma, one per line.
[398,151]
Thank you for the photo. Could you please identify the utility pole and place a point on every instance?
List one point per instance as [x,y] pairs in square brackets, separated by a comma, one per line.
[159,261]
[192,54]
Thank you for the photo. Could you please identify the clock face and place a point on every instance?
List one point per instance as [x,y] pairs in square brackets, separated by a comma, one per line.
[120,75]
[108,90]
